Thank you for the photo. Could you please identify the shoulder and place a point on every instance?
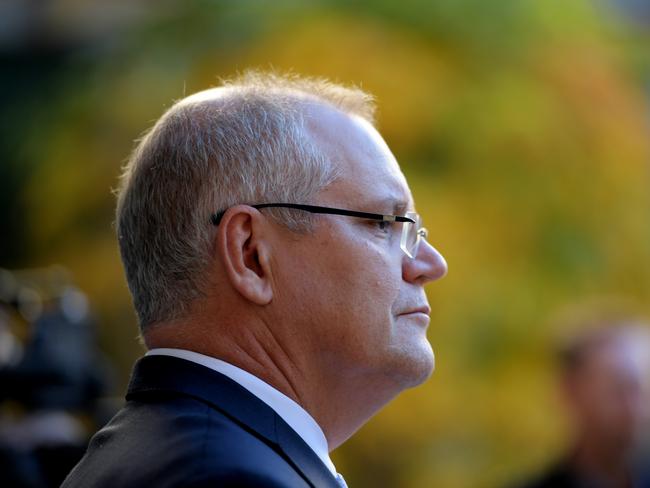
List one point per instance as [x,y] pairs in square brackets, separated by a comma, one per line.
[180,441]
[556,476]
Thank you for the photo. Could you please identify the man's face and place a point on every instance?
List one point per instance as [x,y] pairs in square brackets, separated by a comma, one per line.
[354,297]
[605,396]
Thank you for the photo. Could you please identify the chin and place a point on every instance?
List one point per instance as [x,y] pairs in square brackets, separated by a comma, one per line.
[427,368]
[415,360]
[416,366]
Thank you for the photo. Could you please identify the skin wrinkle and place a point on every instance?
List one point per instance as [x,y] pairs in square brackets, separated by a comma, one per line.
[266,362]
[297,368]
[279,360]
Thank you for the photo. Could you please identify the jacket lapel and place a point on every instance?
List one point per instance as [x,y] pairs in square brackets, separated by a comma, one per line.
[165,373]
[306,461]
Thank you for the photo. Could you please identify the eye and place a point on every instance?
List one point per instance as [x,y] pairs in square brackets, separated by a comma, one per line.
[382,225]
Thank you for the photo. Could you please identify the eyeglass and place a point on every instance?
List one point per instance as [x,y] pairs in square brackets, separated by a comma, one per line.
[412,230]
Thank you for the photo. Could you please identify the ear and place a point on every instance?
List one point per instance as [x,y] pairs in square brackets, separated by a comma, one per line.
[245,253]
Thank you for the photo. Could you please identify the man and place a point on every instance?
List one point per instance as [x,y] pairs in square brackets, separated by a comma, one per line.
[277,268]
[602,379]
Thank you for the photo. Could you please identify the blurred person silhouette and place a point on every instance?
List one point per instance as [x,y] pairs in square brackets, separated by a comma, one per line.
[277,266]
[50,381]
[604,374]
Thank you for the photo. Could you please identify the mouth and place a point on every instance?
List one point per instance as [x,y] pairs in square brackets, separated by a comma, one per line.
[418,315]
[423,310]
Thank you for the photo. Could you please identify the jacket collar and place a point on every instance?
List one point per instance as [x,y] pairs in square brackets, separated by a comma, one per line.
[169,374]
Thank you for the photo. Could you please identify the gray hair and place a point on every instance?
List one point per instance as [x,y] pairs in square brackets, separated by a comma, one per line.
[244,142]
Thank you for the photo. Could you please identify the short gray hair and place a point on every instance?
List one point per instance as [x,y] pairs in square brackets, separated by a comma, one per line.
[243,142]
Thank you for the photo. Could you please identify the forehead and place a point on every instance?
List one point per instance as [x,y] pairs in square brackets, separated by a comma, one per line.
[369,173]
[610,362]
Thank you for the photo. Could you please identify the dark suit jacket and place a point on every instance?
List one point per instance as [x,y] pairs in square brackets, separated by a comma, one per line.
[564,475]
[186,425]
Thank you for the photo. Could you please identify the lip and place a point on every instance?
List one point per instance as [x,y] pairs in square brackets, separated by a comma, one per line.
[425,310]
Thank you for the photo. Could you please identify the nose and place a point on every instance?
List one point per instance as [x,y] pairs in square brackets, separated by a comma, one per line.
[427,265]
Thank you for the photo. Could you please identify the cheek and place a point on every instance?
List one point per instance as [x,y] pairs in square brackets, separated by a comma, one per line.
[366,280]
[345,283]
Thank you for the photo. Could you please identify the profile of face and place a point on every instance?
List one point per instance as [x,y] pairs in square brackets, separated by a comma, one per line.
[348,288]
[604,396]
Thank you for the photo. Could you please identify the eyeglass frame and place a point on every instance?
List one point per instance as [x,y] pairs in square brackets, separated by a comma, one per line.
[409,218]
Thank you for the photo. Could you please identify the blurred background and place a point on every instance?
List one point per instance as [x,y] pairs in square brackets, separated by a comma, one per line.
[523,127]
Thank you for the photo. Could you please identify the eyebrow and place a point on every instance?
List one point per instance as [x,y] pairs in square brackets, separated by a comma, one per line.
[399,206]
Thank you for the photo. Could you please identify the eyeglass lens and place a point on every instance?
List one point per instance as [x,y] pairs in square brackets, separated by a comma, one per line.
[410,235]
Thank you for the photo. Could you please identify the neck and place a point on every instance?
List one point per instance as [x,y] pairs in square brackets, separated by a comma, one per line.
[340,405]
[343,407]
[244,349]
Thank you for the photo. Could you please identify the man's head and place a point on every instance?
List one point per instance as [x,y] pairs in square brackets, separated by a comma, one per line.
[331,299]
[244,142]
[602,376]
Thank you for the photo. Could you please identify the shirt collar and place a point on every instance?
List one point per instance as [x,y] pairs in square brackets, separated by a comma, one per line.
[292,413]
